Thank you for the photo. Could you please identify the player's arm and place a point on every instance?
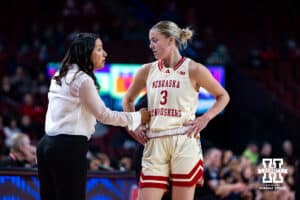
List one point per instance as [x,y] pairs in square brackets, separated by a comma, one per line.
[138,84]
[201,77]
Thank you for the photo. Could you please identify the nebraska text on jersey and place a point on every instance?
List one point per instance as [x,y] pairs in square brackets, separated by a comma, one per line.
[166,83]
[166,112]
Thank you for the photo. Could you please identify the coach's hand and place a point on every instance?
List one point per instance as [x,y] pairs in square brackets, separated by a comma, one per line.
[140,134]
[145,115]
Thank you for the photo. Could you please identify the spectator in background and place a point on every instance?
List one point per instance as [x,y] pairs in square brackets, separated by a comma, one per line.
[105,163]
[251,153]
[74,106]
[100,162]
[10,131]
[125,163]
[227,157]
[31,109]
[29,127]
[21,82]
[41,84]
[89,8]
[70,9]
[266,151]
[212,163]
[41,98]
[22,153]
[288,153]
[249,178]
[214,187]
[93,164]
[7,94]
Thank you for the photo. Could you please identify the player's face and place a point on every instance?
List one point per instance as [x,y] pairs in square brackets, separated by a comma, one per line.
[159,44]
[98,55]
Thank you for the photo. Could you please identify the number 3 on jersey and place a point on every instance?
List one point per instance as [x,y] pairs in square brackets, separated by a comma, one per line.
[164,95]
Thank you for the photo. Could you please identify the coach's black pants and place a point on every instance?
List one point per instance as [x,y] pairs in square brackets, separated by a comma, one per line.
[62,167]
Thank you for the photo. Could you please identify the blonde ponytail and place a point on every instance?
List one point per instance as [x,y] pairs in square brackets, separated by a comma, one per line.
[185,35]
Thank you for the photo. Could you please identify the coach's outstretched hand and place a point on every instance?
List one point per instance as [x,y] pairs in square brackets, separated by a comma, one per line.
[145,115]
[140,134]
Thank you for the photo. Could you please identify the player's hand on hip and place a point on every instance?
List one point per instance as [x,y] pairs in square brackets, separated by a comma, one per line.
[196,126]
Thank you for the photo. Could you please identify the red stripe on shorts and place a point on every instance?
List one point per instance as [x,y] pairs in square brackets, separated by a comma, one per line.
[189,183]
[156,178]
[153,185]
[189,175]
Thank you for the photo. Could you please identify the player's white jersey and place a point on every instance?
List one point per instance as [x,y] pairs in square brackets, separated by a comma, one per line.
[172,100]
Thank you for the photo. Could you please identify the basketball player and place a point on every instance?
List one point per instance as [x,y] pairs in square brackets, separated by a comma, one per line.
[172,153]
[74,106]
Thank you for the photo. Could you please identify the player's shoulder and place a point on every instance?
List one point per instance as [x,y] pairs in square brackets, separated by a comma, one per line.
[150,64]
[195,66]
[146,67]
[143,71]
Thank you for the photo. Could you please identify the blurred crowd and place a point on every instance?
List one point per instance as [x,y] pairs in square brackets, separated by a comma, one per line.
[231,176]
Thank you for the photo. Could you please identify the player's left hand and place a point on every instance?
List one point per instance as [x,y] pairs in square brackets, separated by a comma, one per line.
[196,126]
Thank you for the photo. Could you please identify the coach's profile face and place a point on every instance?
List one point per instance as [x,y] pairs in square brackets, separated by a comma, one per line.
[98,55]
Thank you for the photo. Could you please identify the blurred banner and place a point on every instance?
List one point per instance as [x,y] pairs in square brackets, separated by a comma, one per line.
[17,184]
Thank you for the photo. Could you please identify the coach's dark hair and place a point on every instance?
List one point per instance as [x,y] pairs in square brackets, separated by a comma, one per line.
[79,53]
